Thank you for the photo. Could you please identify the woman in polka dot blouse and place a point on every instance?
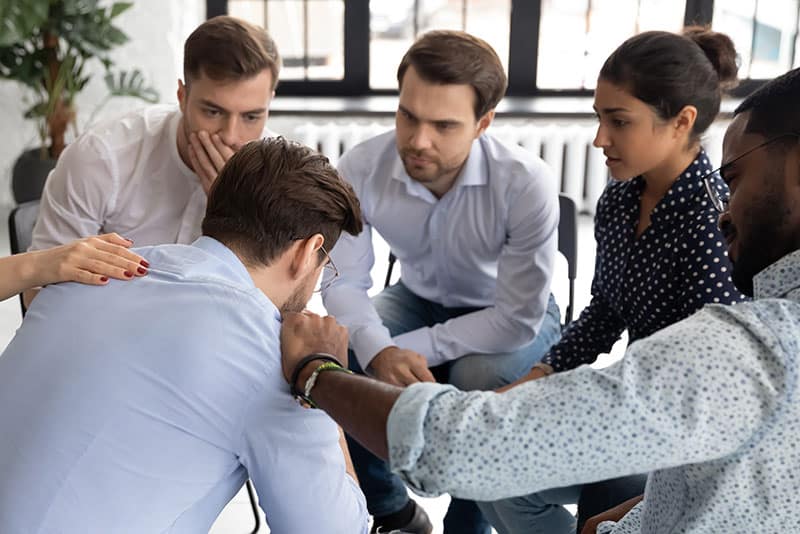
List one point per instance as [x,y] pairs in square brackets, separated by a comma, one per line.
[660,255]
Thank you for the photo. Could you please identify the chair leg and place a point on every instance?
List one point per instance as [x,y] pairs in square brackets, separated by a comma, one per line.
[253,506]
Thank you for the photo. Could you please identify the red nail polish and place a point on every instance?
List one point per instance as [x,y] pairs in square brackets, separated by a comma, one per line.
[141,270]
[104,279]
[145,263]
[128,274]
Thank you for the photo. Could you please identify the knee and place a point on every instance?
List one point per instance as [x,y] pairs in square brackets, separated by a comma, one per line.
[477,372]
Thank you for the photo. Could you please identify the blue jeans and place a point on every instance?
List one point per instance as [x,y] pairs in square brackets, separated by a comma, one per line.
[544,513]
[403,311]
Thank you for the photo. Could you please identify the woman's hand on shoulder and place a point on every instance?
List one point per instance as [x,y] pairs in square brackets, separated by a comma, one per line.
[91,260]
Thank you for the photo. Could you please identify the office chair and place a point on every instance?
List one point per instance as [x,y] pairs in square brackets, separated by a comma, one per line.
[20,228]
[567,245]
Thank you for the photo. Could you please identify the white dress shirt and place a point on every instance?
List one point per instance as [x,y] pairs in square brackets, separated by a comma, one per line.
[124,175]
[708,406]
[489,242]
[143,406]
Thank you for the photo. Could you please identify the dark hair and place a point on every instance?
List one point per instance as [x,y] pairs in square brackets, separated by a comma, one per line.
[454,57]
[226,48]
[668,71]
[273,192]
[774,106]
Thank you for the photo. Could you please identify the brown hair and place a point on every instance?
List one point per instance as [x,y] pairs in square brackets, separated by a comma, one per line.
[273,192]
[454,57]
[227,48]
[668,71]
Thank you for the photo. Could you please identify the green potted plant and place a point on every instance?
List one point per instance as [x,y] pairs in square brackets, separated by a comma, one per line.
[45,45]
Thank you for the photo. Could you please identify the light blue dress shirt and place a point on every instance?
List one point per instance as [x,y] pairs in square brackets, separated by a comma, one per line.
[489,242]
[709,405]
[143,406]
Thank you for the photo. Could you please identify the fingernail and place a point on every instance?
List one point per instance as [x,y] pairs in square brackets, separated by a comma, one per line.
[141,270]
[128,274]
[104,279]
[144,263]
[128,239]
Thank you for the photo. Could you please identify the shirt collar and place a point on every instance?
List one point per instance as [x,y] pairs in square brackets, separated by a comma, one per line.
[232,261]
[779,279]
[474,173]
[682,195]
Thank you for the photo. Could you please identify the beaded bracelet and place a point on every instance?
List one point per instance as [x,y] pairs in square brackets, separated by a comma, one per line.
[307,401]
[301,365]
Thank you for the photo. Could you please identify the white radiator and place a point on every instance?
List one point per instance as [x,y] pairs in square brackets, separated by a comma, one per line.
[566,147]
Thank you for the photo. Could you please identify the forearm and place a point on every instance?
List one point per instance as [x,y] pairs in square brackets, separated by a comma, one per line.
[18,273]
[358,404]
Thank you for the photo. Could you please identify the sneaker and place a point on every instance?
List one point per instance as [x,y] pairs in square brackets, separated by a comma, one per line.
[419,524]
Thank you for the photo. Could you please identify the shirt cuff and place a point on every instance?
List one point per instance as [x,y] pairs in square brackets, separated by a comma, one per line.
[368,343]
[405,432]
[421,342]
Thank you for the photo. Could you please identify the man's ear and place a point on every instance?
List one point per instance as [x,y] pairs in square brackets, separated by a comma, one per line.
[182,91]
[684,120]
[305,255]
[484,122]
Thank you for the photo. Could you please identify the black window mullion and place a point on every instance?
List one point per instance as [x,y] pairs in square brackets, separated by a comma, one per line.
[523,46]
[356,46]
[698,12]
[216,7]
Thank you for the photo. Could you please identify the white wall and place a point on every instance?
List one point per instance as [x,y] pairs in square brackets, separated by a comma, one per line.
[157,30]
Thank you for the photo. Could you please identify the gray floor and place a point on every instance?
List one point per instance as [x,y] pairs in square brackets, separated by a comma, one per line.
[236,518]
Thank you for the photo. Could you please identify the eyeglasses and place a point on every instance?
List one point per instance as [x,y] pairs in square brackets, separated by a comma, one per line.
[331,272]
[720,199]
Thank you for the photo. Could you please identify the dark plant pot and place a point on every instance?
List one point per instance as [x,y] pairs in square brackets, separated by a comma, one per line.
[29,174]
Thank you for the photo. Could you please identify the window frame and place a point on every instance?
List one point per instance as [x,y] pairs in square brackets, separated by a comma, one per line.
[523,44]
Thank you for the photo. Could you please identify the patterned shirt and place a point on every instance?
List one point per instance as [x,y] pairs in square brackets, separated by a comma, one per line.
[644,284]
[707,404]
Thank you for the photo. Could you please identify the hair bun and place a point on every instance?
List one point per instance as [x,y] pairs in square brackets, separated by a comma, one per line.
[720,50]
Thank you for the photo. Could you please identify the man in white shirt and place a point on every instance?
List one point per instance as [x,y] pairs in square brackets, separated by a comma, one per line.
[473,223]
[146,174]
[142,407]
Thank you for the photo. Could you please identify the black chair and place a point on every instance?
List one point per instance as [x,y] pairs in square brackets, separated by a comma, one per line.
[20,229]
[21,221]
[567,245]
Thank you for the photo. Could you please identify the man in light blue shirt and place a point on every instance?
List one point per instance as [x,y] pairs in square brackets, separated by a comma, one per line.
[707,406]
[144,406]
[473,223]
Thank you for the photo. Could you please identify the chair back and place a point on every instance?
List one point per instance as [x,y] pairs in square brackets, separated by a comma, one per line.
[568,245]
[20,225]
[21,221]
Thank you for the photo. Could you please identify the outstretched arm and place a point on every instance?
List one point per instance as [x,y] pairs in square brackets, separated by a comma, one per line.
[92,260]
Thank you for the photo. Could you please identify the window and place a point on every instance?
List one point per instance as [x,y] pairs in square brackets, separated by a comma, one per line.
[353,47]
[309,33]
[582,33]
[765,33]
[394,24]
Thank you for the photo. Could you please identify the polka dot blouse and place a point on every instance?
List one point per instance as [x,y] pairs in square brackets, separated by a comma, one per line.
[675,267]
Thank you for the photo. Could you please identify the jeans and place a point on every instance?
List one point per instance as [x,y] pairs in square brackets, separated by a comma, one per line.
[544,513]
[403,311]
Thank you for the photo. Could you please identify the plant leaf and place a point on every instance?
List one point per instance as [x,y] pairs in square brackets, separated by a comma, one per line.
[131,84]
[119,7]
